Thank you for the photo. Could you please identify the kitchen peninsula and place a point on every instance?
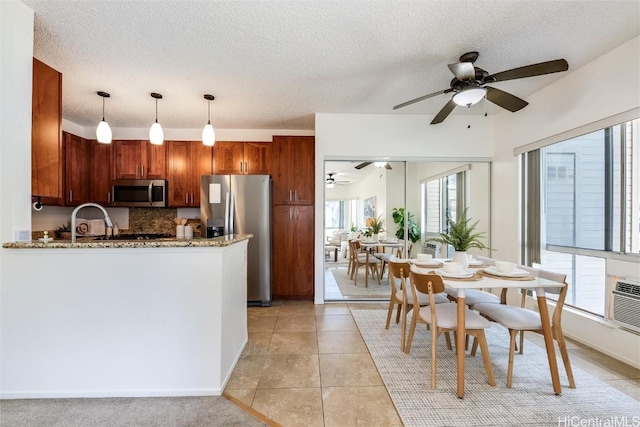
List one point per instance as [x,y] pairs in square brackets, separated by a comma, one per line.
[122,317]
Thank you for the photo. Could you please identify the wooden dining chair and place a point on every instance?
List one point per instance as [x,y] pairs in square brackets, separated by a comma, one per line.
[365,259]
[444,318]
[385,257]
[402,297]
[519,319]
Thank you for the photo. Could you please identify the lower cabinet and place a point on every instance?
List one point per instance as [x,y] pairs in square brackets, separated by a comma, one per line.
[292,243]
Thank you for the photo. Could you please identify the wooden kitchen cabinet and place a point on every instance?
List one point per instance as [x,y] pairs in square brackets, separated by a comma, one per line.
[242,158]
[292,169]
[139,160]
[186,162]
[292,240]
[100,173]
[46,134]
[76,165]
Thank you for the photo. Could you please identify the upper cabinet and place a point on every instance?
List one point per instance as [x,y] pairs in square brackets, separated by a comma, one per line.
[186,162]
[46,134]
[242,158]
[100,172]
[139,160]
[76,154]
[292,170]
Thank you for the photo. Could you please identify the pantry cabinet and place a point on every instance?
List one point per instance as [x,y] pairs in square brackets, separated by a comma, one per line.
[100,173]
[292,169]
[242,158]
[186,162]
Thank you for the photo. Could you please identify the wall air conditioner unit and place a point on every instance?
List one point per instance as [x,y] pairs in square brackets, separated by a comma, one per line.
[626,304]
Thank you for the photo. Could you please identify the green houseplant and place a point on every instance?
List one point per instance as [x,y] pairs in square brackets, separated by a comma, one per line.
[375,225]
[462,235]
[412,228]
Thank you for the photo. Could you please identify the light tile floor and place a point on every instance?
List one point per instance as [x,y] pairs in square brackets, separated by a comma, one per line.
[307,365]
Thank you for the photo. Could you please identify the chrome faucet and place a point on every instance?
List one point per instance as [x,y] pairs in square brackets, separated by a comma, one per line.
[74,214]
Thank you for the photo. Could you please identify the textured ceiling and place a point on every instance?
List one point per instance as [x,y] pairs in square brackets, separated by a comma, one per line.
[274,64]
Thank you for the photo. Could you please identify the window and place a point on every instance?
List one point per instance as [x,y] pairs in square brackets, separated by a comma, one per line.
[334,216]
[589,208]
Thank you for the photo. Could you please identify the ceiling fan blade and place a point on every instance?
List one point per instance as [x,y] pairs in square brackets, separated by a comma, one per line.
[505,100]
[387,166]
[463,70]
[446,110]
[422,98]
[363,165]
[532,70]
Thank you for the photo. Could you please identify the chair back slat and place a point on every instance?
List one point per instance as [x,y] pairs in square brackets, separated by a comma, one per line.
[399,268]
[427,283]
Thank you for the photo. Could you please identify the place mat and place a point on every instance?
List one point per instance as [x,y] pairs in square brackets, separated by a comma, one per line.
[474,278]
[481,265]
[495,276]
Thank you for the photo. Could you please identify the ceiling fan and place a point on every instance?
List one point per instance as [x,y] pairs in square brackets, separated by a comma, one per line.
[469,83]
[378,164]
[331,181]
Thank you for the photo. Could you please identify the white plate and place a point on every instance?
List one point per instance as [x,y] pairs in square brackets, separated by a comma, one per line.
[475,262]
[431,263]
[514,273]
[443,273]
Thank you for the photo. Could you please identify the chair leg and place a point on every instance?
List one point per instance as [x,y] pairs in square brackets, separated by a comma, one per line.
[474,347]
[565,358]
[412,329]
[398,313]
[355,272]
[521,349]
[447,337]
[512,349]
[484,349]
[389,312]
[366,276]
[403,337]
[434,345]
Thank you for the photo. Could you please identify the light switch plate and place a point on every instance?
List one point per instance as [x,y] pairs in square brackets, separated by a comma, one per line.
[22,235]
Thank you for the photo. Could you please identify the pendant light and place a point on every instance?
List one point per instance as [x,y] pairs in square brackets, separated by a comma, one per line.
[156,135]
[103,131]
[208,134]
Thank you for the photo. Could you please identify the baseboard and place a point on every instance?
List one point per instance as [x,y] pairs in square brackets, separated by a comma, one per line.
[55,394]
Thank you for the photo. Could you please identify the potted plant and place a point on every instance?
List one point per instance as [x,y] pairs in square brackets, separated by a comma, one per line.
[462,236]
[375,226]
[412,229]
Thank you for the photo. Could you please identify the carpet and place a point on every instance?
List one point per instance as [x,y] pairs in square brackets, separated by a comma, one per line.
[530,401]
[140,412]
[348,289]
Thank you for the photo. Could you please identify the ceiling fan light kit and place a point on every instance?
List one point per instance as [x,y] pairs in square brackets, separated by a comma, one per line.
[208,133]
[156,134]
[469,83]
[103,131]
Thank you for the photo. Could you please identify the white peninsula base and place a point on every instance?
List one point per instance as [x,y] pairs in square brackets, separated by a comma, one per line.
[121,322]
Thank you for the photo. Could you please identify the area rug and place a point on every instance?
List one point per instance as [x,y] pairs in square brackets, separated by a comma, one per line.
[530,401]
[348,289]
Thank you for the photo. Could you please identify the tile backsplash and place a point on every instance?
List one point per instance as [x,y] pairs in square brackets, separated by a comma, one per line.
[152,220]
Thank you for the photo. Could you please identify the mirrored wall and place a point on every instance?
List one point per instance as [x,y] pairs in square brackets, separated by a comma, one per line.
[408,201]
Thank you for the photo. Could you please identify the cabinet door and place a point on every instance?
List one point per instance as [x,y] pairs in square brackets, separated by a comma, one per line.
[257,158]
[154,162]
[201,162]
[46,133]
[292,169]
[229,158]
[100,177]
[292,240]
[179,173]
[127,159]
[76,170]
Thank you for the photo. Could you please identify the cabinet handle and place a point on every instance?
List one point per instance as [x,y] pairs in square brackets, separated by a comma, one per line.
[186,198]
[142,169]
[109,197]
[295,195]
[71,195]
[193,198]
[246,168]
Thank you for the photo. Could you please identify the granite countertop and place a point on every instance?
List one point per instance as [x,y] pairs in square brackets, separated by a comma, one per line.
[90,243]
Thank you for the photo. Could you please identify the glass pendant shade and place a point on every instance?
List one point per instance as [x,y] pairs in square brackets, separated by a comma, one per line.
[103,133]
[208,135]
[469,96]
[330,185]
[156,135]
[380,164]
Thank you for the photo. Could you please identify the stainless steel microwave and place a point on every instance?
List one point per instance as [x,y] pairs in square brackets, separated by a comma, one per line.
[140,193]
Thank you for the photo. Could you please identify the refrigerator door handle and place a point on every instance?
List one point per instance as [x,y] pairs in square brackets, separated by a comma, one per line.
[232,214]
[226,214]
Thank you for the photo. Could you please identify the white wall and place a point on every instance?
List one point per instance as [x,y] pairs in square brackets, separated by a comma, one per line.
[605,87]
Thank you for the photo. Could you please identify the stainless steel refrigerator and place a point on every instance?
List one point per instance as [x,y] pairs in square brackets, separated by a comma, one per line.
[241,204]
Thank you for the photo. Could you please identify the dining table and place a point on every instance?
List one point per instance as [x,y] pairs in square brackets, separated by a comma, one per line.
[486,281]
